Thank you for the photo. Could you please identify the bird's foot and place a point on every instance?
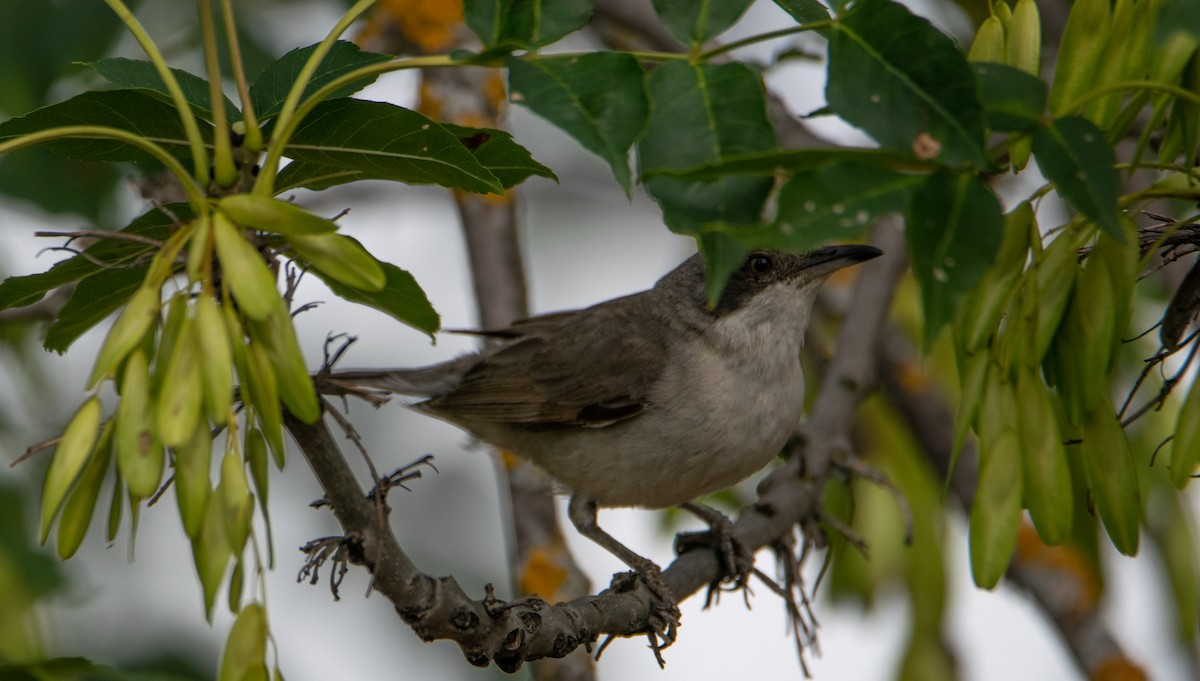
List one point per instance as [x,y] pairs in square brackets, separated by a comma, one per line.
[737,562]
[664,619]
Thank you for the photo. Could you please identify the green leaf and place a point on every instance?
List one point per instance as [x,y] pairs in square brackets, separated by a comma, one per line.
[702,113]
[388,142]
[527,23]
[599,99]
[97,296]
[1012,100]
[905,83]
[270,88]
[40,42]
[314,176]
[36,174]
[1072,154]
[804,11]
[722,255]
[774,162]
[954,229]
[130,110]
[136,74]
[401,297]
[838,201]
[155,224]
[695,23]
[496,150]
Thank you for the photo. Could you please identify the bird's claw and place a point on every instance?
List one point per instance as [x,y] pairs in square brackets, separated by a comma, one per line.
[737,562]
[664,619]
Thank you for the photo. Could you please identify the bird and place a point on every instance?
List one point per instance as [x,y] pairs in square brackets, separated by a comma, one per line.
[649,400]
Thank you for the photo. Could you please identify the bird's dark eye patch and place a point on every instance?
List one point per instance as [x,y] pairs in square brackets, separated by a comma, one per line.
[760,264]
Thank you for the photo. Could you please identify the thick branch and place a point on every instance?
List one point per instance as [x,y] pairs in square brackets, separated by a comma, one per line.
[852,372]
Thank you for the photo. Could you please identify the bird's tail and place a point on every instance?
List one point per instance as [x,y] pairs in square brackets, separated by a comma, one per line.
[427,381]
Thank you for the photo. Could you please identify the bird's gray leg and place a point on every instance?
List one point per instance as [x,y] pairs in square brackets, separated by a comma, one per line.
[582,513]
[736,561]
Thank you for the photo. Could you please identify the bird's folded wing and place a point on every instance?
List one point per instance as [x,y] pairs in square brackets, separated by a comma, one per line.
[562,370]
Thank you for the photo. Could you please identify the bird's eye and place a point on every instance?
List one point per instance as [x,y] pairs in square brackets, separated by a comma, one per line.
[760,264]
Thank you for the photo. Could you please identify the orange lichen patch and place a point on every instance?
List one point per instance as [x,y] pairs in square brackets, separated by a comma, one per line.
[1119,669]
[543,574]
[1065,561]
[428,101]
[509,460]
[495,91]
[428,24]
[913,376]
[489,199]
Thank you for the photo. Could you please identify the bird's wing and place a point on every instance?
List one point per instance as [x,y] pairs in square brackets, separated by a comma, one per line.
[563,370]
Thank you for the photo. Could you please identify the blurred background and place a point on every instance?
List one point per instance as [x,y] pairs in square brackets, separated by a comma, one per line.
[139,607]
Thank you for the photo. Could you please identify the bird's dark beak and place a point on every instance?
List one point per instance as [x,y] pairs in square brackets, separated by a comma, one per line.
[825,261]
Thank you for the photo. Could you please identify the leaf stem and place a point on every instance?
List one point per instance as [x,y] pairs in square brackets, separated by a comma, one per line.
[223,167]
[1117,88]
[1167,167]
[190,184]
[763,37]
[284,130]
[254,140]
[195,139]
[284,124]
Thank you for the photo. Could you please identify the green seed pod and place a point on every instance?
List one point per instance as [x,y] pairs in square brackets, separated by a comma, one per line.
[255,449]
[1112,477]
[1084,40]
[262,383]
[115,506]
[246,649]
[272,215]
[216,365]
[291,374]
[258,388]
[988,45]
[1185,446]
[181,393]
[996,512]
[1053,275]
[244,269]
[192,483]
[1003,13]
[81,504]
[1024,38]
[211,553]
[985,304]
[972,375]
[234,493]
[1047,480]
[340,258]
[70,457]
[140,456]
[199,247]
[237,580]
[140,312]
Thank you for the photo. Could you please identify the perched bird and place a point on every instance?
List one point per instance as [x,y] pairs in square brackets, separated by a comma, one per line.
[649,400]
